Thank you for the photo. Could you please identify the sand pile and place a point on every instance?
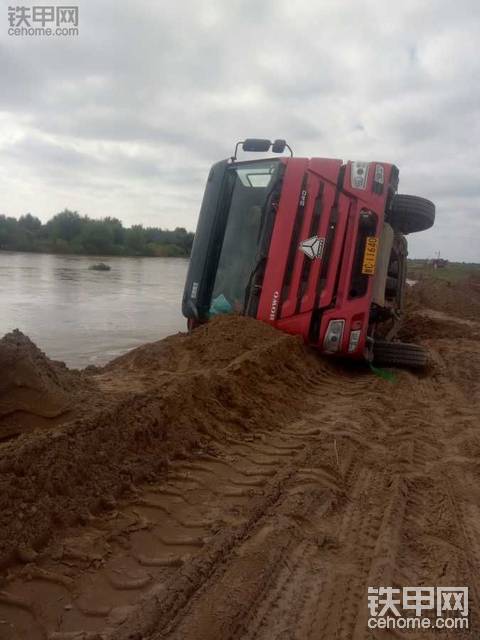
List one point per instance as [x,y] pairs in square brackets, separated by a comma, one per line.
[212,346]
[33,387]
[424,325]
[437,309]
[460,299]
[233,375]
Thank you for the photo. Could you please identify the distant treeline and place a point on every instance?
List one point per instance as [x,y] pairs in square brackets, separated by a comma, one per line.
[68,232]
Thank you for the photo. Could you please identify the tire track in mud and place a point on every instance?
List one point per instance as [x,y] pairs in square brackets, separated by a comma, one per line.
[271,597]
[319,590]
[279,534]
[91,578]
[109,564]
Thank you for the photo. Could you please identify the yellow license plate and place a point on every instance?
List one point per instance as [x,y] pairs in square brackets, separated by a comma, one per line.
[370,256]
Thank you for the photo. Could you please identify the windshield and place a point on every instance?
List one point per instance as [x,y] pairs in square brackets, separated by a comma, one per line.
[252,185]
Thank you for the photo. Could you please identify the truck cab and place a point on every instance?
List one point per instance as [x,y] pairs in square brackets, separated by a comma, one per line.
[313,246]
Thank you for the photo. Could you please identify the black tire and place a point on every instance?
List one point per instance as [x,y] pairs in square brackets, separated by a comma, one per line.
[399,354]
[392,284]
[393,269]
[410,214]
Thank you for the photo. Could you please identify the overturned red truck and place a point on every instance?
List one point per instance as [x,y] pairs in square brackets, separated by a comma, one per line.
[313,246]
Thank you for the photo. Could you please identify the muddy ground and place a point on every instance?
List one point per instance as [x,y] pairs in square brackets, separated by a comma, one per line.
[232,484]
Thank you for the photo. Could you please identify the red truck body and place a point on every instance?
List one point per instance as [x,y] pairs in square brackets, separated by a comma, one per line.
[331,211]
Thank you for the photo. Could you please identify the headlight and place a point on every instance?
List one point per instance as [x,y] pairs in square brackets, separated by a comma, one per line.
[334,335]
[354,340]
[359,174]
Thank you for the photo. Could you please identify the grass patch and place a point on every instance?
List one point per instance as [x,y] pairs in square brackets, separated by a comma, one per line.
[452,272]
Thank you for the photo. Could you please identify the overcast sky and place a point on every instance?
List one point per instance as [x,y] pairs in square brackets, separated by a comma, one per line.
[125,119]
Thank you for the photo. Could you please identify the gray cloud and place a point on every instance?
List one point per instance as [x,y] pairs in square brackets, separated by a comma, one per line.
[126,119]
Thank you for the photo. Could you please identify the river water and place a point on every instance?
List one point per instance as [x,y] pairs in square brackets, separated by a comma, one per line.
[87,317]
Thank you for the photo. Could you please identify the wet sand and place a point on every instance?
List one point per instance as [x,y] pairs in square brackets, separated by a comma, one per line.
[232,484]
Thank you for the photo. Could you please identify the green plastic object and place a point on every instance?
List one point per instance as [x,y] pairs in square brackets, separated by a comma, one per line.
[383,373]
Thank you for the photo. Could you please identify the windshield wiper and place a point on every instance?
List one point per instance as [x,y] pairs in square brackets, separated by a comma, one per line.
[248,288]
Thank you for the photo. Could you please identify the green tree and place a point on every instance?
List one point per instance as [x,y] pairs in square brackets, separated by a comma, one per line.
[68,232]
[136,239]
[65,225]
[97,237]
[30,223]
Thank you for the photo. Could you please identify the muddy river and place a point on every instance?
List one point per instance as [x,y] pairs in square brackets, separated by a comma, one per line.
[86,317]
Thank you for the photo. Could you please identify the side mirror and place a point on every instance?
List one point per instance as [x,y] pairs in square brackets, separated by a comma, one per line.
[279,146]
[256,144]
[261,145]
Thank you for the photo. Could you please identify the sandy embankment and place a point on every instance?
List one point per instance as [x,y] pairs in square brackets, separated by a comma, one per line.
[108,430]
[232,484]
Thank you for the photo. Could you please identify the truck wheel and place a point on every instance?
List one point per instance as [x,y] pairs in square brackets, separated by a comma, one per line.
[392,284]
[399,354]
[410,214]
